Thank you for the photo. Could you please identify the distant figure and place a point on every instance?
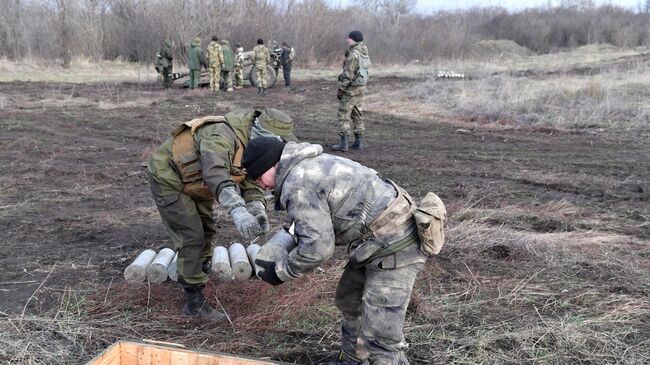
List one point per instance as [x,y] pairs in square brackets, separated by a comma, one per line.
[351,87]
[195,61]
[215,62]
[262,58]
[228,65]
[286,59]
[239,66]
[165,64]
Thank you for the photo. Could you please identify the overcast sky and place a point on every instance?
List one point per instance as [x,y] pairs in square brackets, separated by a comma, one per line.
[427,6]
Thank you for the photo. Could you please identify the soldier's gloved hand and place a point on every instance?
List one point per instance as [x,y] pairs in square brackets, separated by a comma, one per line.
[268,274]
[339,93]
[257,209]
[246,223]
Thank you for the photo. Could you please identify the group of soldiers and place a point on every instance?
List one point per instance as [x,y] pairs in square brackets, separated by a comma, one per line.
[330,200]
[222,62]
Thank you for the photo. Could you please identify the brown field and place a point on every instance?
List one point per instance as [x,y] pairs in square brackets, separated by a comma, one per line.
[547,260]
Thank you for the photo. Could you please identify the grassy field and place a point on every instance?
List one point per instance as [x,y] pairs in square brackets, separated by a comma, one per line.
[545,176]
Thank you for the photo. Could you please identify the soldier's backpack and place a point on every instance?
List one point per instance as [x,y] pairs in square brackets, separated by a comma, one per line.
[430,216]
[361,78]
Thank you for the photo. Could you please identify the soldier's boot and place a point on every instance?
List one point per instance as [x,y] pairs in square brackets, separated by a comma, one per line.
[259,90]
[341,146]
[263,91]
[357,145]
[196,306]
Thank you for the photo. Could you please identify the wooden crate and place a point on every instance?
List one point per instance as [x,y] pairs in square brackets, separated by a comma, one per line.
[155,353]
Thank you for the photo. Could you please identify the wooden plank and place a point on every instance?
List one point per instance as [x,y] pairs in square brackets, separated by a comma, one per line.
[129,353]
[144,355]
[110,356]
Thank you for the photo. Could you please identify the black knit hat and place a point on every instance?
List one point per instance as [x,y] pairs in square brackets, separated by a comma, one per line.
[356,36]
[261,154]
[260,41]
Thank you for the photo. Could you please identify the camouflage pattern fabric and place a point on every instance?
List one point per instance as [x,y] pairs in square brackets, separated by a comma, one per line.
[190,222]
[195,58]
[195,76]
[262,58]
[228,57]
[331,200]
[239,67]
[214,54]
[227,79]
[165,64]
[350,112]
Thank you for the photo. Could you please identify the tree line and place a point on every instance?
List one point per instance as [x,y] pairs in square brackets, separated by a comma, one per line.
[134,29]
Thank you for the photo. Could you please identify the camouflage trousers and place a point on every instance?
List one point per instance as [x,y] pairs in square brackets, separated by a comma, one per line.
[261,73]
[373,299]
[195,76]
[215,77]
[190,225]
[239,77]
[227,79]
[350,111]
[166,73]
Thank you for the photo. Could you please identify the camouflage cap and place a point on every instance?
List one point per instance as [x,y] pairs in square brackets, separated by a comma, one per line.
[279,123]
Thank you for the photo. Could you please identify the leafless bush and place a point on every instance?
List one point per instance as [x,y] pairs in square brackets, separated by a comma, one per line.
[133,30]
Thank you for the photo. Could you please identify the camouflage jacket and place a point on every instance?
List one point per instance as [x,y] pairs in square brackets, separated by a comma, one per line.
[164,58]
[215,143]
[353,79]
[195,59]
[228,58]
[239,58]
[214,54]
[330,199]
[262,56]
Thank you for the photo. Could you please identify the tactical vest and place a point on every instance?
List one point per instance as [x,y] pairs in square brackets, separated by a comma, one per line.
[361,77]
[187,159]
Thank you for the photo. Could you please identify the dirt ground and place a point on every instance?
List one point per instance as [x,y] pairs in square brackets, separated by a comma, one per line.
[547,258]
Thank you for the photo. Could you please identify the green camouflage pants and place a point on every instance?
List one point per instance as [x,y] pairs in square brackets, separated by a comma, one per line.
[239,76]
[190,225]
[350,111]
[261,73]
[373,299]
[215,78]
[227,79]
[166,73]
[195,76]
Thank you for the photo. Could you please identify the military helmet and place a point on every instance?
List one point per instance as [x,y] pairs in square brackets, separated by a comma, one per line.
[278,123]
[196,42]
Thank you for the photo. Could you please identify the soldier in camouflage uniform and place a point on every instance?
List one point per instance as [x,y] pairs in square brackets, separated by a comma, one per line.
[195,61]
[228,65]
[165,63]
[201,161]
[261,59]
[239,66]
[351,88]
[214,55]
[335,201]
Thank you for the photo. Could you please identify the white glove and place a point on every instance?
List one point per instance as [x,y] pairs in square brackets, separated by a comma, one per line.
[246,223]
[257,209]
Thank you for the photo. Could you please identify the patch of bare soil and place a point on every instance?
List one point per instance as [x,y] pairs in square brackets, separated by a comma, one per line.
[547,260]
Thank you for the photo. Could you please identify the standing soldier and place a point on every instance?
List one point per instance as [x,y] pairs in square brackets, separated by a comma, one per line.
[195,61]
[334,201]
[262,58]
[165,64]
[351,87]
[199,163]
[215,61]
[239,66]
[286,59]
[228,65]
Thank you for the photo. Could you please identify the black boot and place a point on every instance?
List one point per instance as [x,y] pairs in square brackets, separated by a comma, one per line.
[263,92]
[341,146]
[357,142]
[196,306]
[259,91]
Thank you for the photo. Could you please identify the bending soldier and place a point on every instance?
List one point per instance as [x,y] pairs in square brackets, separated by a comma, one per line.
[215,62]
[261,59]
[335,201]
[201,162]
[351,88]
